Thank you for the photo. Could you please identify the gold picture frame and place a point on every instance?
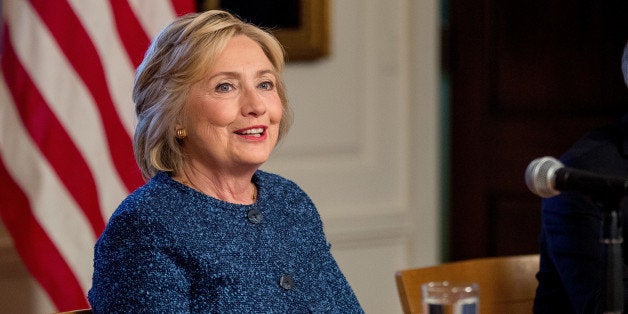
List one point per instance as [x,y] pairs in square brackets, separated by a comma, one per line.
[308,41]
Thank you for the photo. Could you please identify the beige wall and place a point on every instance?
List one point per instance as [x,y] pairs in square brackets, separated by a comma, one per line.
[364,146]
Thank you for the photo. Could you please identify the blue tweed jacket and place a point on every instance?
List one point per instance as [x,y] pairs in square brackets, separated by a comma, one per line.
[169,248]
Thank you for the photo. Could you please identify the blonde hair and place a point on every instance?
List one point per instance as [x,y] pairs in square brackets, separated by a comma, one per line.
[180,56]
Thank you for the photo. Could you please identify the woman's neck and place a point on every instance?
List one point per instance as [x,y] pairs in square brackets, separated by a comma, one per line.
[231,187]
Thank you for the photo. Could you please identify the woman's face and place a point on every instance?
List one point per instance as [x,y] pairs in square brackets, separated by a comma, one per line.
[233,114]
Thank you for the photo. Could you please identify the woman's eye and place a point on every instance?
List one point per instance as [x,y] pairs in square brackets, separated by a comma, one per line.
[268,85]
[224,87]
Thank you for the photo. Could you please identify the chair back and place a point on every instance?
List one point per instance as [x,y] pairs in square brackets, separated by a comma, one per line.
[507,284]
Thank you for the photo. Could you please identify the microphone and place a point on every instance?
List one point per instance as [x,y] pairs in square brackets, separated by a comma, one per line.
[547,177]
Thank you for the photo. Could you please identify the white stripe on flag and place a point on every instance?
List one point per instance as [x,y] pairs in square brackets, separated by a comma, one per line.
[96,16]
[153,17]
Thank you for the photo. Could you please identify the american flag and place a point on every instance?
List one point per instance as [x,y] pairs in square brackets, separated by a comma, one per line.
[66,121]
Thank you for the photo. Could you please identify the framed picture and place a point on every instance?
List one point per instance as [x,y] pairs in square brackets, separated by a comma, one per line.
[302,26]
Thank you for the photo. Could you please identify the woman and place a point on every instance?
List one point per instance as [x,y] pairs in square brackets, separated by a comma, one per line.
[209,232]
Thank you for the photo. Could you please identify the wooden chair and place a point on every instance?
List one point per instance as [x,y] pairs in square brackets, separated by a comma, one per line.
[507,284]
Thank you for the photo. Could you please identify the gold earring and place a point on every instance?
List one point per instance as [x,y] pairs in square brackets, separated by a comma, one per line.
[181,134]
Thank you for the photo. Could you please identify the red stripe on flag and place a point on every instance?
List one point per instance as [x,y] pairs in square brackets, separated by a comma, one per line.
[37,251]
[131,33]
[76,44]
[182,7]
[51,138]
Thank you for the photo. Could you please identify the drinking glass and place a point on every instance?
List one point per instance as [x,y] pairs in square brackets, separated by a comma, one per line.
[445,297]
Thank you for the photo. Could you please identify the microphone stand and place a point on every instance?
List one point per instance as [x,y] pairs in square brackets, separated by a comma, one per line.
[612,238]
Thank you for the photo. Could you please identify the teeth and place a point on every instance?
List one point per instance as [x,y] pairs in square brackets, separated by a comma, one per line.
[257,131]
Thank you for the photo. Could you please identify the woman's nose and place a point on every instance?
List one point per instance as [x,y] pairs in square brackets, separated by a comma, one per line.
[253,103]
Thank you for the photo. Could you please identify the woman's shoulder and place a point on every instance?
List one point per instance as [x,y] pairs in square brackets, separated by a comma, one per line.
[280,190]
[271,178]
[156,195]
[152,208]
[277,184]
[602,149]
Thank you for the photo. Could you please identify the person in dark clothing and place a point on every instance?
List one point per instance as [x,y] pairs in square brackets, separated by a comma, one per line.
[571,274]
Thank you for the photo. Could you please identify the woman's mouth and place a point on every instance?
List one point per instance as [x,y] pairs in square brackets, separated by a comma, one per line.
[256,132]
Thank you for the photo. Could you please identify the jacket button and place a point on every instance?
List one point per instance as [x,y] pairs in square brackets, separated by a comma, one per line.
[254,216]
[286,282]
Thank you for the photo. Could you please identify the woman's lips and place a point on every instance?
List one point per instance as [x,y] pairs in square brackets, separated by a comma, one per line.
[253,133]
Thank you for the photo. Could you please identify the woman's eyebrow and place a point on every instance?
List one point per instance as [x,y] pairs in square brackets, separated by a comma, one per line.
[235,74]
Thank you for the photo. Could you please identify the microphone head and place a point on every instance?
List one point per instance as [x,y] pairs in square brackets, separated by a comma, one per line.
[540,176]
